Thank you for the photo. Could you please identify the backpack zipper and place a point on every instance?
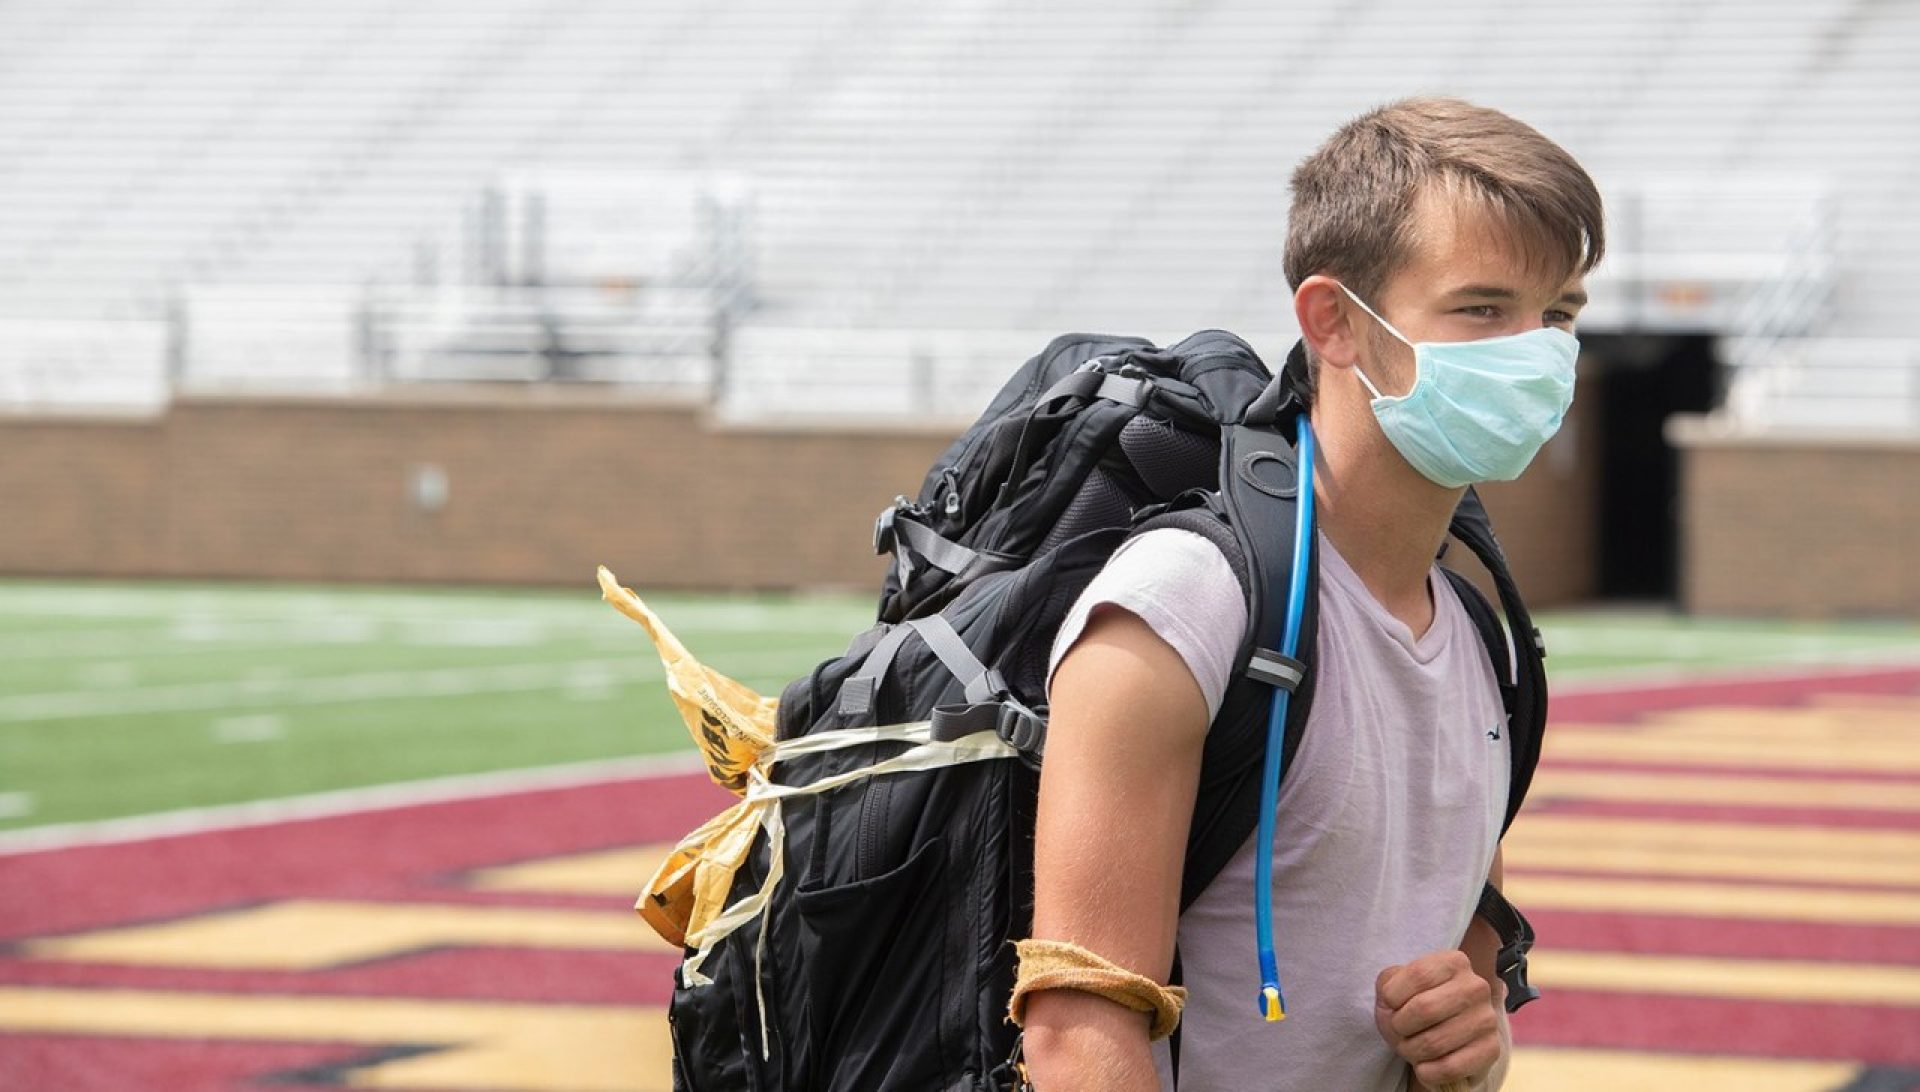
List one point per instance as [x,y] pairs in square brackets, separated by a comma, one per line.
[873,817]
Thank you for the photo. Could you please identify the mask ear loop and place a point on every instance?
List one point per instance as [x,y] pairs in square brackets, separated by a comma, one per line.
[1376,316]
[1371,389]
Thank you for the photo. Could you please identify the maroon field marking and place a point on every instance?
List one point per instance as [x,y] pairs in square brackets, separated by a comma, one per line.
[424,854]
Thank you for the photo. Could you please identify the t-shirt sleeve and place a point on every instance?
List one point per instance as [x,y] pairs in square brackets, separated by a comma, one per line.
[1178,583]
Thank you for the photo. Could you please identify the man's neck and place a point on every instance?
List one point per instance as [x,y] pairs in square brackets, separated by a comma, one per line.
[1386,520]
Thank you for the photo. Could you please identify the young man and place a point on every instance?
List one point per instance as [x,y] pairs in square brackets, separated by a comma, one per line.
[1431,223]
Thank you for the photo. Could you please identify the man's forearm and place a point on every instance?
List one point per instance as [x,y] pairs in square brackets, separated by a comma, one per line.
[1077,1042]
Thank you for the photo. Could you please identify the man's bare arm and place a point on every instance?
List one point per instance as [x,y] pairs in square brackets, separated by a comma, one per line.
[1127,727]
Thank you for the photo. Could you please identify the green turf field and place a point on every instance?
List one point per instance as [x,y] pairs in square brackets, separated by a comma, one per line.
[130,699]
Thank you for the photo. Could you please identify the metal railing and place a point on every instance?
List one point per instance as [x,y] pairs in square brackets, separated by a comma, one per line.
[1825,384]
[906,377]
[500,297]
[1745,256]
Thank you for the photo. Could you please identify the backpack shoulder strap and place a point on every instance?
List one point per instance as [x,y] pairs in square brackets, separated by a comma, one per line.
[1519,663]
[1487,625]
[1251,519]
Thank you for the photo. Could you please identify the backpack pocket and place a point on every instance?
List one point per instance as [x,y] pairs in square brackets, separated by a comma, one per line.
[708,1038]
[875,953]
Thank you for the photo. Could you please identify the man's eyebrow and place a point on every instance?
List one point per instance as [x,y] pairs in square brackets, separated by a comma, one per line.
[1485,292]
[1577,296]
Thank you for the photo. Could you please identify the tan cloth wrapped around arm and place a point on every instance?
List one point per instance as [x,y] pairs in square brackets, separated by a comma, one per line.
[1059,965]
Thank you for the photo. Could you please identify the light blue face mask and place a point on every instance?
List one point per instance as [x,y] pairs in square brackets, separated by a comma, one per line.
[1479,410]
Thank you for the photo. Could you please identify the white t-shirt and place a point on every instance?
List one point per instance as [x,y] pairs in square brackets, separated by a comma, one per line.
[1387,824]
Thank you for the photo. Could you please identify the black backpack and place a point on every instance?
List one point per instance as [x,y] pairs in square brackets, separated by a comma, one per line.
[884,959]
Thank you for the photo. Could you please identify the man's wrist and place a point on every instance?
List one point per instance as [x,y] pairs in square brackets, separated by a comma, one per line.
[1078,1040]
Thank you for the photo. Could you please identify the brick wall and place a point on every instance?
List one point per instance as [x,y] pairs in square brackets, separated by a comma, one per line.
[81,497]
[1807,526]
[1546,519]
[538,491]
[542,485]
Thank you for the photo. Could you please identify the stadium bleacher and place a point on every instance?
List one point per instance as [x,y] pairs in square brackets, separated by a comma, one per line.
[967,168]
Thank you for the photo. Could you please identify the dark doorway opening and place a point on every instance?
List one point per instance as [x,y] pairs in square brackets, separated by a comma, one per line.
[1644,380]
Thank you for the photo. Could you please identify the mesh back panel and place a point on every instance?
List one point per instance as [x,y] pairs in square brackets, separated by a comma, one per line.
[1028,675]
[1170,459]
[1100,503]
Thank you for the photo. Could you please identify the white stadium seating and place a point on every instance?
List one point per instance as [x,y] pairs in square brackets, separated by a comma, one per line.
[924,174]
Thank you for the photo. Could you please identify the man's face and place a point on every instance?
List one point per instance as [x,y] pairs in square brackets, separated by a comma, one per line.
[1467,279]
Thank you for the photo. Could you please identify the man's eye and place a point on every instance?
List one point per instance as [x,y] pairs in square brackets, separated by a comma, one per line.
[1555,318]
[1482,310]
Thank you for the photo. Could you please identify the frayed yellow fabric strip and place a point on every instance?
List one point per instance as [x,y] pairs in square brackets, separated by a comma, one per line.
[1060,965]
[729,721]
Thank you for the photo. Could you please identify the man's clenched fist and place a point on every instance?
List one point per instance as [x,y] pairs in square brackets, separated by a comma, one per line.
[1440,1016]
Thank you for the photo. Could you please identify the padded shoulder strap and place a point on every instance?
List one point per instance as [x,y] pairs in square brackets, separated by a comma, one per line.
[1281,398]
[1522,672]
[1495,639]
[1201,513]
[1258,504]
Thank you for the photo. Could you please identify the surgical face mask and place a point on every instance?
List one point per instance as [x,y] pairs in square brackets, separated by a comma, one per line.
[1479,410]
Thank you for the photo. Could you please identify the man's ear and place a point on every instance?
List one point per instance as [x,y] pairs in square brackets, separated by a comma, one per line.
[1326,319]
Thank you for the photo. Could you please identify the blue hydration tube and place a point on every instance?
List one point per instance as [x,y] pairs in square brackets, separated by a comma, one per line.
[1273,1004]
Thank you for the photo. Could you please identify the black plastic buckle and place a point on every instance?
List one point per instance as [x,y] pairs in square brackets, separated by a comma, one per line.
[1516,940]
[883,533]
[1011,1075]
[1022,728]
[1512,963]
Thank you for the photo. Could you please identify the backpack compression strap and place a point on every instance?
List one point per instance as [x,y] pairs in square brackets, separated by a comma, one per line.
[989,703]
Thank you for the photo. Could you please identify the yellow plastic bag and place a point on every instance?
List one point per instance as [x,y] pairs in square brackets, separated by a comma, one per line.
[729,722]
[733,726]
[685,902]
[690,888]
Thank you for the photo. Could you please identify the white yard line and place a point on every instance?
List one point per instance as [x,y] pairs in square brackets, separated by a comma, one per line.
[319,690]
[1585,642]
[246,607]
[249,728]
[1681,676]
[119,644]
[367,686]
[161,601]
[347,801]
[415,633]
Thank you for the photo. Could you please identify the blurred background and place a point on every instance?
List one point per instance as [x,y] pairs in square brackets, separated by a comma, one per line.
[339,343]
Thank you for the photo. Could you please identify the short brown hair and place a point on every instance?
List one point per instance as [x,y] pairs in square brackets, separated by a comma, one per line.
[1353,198]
